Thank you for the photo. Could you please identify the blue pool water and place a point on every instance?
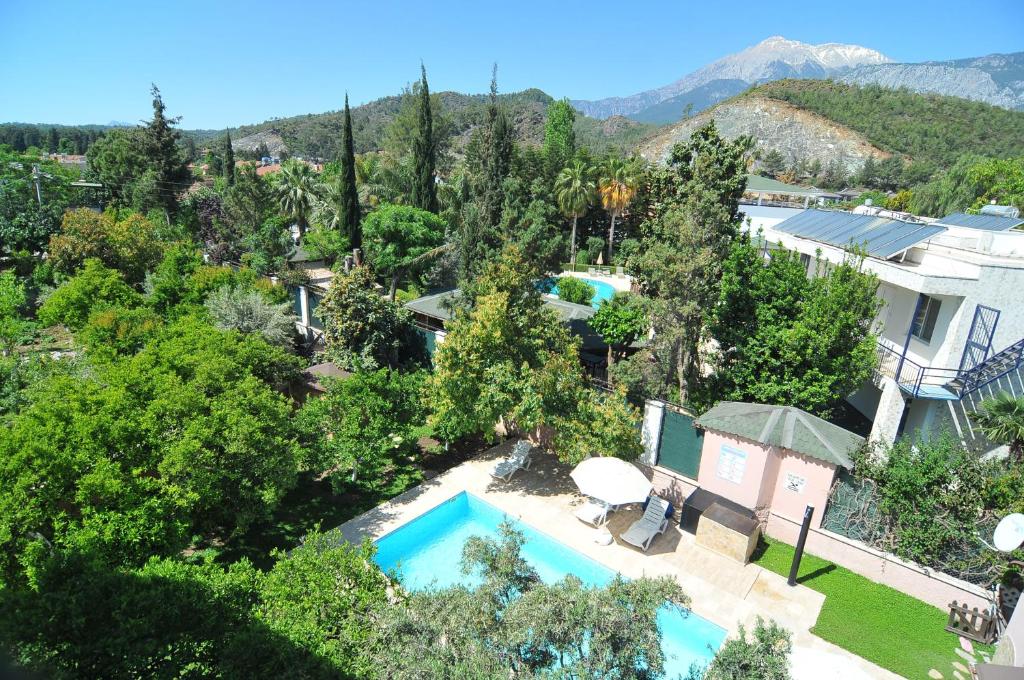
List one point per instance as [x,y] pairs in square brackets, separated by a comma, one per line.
[428,550]
[603,291]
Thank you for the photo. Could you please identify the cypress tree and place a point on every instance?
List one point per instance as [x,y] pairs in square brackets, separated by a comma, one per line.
[52,140]
[496,156]
[424,189]
[229,158]
[349,208]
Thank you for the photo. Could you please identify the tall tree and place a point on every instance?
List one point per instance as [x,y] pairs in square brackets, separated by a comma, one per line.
[559,135]
[496,156]
[52,140]
[349,213]
[617,187]
[229,158]
[424,149]
[574,191]
[296,192]
[170,169]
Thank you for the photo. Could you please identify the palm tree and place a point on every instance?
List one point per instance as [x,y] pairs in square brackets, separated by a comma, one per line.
[617,188]
[380,179]
[1001,419]
[574,191]
[297,190]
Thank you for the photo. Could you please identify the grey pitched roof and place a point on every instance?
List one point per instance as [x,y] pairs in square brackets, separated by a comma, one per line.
[573,315]
[983,222]
[434,306]
[882,237]
[786,427]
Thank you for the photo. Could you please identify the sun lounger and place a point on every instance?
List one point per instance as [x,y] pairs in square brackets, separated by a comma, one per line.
[518,460]
[642,532]
[594,512]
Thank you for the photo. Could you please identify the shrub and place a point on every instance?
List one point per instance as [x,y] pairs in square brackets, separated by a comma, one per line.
[93,287]
[572,289]
[248,311]
[119,331]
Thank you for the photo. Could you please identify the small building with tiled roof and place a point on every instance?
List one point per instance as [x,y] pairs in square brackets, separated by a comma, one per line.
[777,457]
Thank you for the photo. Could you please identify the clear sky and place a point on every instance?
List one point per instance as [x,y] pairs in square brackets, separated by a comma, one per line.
[224,64]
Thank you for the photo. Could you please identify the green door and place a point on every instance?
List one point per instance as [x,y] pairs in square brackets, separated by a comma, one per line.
[680,445]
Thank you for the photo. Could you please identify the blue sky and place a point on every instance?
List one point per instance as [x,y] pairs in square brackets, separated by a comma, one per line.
[224,64]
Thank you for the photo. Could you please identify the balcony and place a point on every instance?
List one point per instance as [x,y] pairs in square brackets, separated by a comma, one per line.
[930,382]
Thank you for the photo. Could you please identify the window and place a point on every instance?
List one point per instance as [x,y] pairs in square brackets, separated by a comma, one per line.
[805,260]
[732,463]
[924,318]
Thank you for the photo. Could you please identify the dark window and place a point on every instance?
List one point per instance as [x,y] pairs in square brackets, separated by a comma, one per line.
[924,319]
[805,260]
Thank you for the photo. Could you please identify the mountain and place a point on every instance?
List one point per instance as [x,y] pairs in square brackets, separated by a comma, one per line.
[996,79]
[825,120]
[319,135]
[771,59]
[775,125]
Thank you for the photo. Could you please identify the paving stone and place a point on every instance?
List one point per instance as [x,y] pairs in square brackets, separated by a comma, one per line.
[964,655]
[959,676]
[966,645]
[960,667]
[935,674]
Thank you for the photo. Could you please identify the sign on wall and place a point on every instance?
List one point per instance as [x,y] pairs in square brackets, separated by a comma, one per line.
[732,463]
[795,483]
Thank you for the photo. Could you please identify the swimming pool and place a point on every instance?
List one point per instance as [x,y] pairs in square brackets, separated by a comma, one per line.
[429,550]
[602,291]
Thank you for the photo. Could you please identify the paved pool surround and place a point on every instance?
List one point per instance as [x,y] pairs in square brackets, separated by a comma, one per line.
[721,590]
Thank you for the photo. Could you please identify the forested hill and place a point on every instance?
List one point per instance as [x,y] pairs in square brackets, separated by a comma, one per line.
[934,129]
[318,135]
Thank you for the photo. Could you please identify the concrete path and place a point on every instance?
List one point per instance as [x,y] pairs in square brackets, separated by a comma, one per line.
[722,590]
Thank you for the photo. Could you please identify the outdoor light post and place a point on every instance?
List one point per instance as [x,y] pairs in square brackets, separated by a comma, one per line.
[804,528]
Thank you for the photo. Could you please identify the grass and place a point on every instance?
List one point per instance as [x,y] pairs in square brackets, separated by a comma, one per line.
[881,624]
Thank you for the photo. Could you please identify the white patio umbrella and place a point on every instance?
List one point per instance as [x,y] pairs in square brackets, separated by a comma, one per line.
[612,480]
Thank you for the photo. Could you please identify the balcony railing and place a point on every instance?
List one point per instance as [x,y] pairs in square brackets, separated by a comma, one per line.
[912,377]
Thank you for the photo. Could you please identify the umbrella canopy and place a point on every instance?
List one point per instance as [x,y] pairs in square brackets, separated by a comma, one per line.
[611,480]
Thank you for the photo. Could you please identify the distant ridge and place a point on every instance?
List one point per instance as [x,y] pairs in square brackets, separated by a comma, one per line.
[771,59]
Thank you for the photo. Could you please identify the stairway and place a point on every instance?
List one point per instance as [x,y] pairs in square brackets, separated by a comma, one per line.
[1002,372]
[988,371]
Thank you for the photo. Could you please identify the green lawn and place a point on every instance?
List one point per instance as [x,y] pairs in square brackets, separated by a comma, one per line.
[879,623]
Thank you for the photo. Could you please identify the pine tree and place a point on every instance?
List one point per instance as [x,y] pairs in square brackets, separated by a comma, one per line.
[349,209]
[229,158]
[165,157]
[424,188]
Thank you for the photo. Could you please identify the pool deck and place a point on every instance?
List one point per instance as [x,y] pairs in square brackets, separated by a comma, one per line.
[619,283]
[722,590]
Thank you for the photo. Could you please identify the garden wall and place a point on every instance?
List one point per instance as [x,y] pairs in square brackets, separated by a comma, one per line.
[925,584]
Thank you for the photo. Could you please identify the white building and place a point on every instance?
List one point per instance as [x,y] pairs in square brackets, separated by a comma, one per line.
[951,329]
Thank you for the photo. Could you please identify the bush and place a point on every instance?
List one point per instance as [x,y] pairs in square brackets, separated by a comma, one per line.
[248,311]
[93,287]
[118,331]
[765,657]
[572,289]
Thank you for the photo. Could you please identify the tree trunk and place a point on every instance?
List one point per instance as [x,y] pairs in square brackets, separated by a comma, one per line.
[355,468]
[611,356]
[572,245]
[611,240]
[394,287]
[682,360]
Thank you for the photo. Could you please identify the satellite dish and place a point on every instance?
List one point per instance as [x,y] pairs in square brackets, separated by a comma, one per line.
[1009,533]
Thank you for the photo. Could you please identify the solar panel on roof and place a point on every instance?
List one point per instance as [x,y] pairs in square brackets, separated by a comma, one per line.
[983,222]
[880,236]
